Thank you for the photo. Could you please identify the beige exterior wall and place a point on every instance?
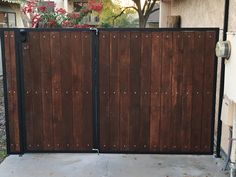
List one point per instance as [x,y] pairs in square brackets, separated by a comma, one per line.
[205,13]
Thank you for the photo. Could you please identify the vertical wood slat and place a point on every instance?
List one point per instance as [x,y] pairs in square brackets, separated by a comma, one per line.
[46,85]
[124,80]
[155,116]
[177,75]
[134,121]
[145,84]
[188,40]
[66,91]
[207,113]
[36,121]
[104,61]
[166,76]
[87,115]
[12,95]
[114,92]
[77,70]
[197,83]
[56,90]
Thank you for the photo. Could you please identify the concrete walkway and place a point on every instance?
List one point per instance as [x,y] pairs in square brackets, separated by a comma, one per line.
[110,165]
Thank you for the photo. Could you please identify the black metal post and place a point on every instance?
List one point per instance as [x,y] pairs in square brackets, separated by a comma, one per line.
[222,80]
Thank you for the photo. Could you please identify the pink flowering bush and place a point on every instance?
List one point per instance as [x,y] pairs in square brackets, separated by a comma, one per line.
[44,14]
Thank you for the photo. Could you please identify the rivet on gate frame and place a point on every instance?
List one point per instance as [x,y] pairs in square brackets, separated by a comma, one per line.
[135,145]
[56,91]
[210,36]
[58,144]
[156,93]
[166,93]
[103,36]
[145,146]
[53,36]
[76,91]
[124,92]
[17,145]
[196,147]
[34,37]
[5,35]
[14,91]
[167,36]
[114,37]
[135,93]
[186,93]
[86,36]
[12,35]
[104,145]
[44,36]
[145,93]
[65,36]
[77,145]
[48,145]
[189,36]
[88,145]
[136,36]
[67,92]
[185,147]
[155,146]
[177,93]
[178,36]
[114,145]
[46,92]
[75,36]
[30,145]
[124,145]
[104,93]
[68,145]
[87,92]
[36,92]
[199,36]
[9,91]
[174,147]
[27,92]
[37,145]
[125,36]
[197,93]
[158,36]
[147,36]
[114,93]
[12,145]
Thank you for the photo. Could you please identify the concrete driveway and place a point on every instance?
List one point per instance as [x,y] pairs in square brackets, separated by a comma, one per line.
[110,165]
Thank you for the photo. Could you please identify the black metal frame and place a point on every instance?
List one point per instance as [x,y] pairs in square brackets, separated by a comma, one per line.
[20,36]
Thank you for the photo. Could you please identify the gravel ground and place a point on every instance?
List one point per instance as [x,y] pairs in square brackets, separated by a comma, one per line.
[2,123]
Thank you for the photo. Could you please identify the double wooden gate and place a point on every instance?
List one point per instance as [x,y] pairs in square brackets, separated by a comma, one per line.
[116,90]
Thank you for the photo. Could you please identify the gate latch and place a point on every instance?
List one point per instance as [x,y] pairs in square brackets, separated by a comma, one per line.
[94,29]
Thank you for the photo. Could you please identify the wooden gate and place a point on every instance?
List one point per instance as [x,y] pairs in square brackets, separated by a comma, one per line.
[119,90]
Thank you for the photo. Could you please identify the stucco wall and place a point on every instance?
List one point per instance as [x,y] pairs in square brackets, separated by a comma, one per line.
[232,16]
[199,13]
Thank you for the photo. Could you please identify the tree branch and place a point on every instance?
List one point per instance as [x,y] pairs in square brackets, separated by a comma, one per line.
[123,11]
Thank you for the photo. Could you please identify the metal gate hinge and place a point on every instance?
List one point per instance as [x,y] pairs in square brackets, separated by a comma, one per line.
[94,29]
[97,150]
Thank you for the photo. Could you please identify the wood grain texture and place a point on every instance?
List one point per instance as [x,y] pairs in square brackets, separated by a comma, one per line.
[12,95]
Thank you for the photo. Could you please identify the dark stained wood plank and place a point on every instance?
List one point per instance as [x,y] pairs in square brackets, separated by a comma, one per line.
[134,119]
[77,70]
[124,80]
[56,90]
[177,75]
[114,92]
[28,86]
[155,114]
[66,91]
[145,84]
[46,85]
[207,114]
[197,69]
[188,40]
[165,131]
[104,68]
[35,58]
[87,113]
[10,59]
